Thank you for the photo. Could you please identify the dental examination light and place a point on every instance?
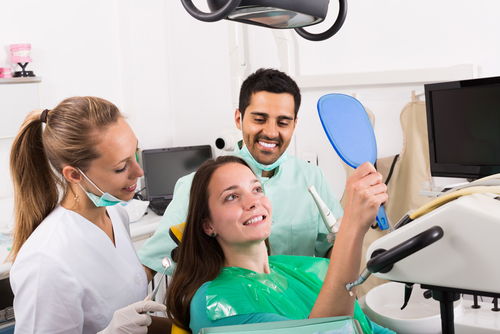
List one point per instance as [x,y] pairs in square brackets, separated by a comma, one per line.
[276,14]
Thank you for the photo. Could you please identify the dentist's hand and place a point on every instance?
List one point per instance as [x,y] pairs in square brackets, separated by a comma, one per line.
[133,318]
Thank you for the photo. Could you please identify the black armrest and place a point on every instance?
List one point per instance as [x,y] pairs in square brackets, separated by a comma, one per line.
[387,258]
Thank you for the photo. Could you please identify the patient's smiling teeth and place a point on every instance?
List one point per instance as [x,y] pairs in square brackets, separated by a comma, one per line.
[268,145]
[253,220]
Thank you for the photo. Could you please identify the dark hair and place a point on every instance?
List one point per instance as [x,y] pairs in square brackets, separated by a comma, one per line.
[200,256]
[71,134]
[268,80]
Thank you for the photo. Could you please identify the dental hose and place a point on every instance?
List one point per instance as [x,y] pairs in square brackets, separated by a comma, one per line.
[450,197]
[361,279]
[409,217]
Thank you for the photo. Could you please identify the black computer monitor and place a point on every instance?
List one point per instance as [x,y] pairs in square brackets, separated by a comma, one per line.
[463,119]
[164,166]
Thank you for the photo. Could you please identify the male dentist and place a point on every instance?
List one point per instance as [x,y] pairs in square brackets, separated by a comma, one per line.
[267,116]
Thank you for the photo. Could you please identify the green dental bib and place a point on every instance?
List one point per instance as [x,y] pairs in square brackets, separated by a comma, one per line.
[290,290]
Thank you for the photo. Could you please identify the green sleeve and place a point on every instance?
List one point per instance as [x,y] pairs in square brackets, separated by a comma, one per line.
[161,244]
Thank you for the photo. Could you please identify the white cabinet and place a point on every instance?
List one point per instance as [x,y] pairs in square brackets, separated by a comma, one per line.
[18,96]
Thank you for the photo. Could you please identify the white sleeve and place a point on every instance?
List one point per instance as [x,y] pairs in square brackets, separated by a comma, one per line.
[48,298]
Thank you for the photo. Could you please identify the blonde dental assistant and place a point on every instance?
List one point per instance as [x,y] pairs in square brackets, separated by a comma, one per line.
[75,269]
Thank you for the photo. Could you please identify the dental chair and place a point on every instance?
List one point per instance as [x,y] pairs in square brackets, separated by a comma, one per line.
[175,233]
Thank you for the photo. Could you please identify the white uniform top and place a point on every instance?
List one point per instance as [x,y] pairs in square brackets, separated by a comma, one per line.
[69,278]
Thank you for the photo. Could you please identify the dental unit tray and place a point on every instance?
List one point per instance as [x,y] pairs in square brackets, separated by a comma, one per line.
[350,132]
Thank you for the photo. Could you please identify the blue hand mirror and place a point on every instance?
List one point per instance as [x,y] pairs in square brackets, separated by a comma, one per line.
[350,132]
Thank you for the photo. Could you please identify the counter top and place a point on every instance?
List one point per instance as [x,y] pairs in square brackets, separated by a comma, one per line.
[144,226]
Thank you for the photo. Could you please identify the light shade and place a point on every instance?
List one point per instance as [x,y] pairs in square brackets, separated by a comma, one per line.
[273,17]
[276,14]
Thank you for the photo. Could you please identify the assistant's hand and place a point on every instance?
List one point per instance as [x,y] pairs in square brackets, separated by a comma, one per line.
[133,318]
[365,192]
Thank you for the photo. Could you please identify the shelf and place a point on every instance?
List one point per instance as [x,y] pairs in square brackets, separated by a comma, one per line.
[20,80]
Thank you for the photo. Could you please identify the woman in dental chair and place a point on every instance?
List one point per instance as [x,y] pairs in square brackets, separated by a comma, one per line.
[225,275]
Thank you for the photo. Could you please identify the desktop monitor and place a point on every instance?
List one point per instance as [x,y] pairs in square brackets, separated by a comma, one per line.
[463,120]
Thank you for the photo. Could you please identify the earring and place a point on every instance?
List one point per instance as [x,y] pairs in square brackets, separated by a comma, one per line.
[77,199]
[212,234]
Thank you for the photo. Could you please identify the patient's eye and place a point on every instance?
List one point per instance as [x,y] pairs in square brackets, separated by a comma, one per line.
[258,190]
[230,198]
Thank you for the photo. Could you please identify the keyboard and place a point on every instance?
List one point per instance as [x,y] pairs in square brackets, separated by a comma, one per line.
[159,207]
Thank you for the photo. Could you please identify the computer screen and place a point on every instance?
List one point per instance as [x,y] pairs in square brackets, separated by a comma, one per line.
[463,120]
[163,167]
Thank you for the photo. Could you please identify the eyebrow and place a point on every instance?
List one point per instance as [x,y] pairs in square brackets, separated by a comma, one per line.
[127,158]
[236,187]
[263,114]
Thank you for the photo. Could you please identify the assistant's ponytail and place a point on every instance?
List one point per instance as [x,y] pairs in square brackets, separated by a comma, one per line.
[35,184]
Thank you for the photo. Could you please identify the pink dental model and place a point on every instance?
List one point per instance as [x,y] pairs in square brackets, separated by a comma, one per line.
[20,54]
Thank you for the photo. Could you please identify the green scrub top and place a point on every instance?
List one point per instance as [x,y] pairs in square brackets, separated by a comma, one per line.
[297,227]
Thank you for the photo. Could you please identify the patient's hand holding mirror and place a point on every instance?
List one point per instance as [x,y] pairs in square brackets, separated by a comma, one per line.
[350,132]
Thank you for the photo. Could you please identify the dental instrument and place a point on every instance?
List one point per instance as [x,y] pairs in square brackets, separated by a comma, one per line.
[166,263]
[328,217]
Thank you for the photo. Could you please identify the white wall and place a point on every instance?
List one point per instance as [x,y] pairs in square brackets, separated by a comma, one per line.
[384,36]
[171,73]
[75,46]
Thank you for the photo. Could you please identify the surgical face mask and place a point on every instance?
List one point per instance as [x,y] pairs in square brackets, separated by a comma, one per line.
[247,156]
[105,200]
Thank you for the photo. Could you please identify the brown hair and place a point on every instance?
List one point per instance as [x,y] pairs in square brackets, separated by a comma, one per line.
[200,256]
[38,156]
[268,80]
